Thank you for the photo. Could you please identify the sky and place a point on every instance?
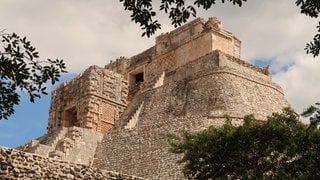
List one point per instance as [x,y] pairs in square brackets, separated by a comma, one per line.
[93,32]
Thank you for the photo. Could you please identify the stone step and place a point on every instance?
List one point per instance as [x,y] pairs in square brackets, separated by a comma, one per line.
[49,143]
[134,119]
[160,81]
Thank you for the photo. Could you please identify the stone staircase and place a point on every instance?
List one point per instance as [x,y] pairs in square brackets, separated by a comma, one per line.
[160,81]
[72,144]
[78,145]
[66,143]
[131,123]
[43,145]
[134,118]
[49,143]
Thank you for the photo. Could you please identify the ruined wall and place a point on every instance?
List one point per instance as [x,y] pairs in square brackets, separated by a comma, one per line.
[94,100]
[72,144]
[195,96]
[16,164]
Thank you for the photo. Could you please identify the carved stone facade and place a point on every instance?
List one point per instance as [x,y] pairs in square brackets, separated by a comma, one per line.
[94,100]
[190,79]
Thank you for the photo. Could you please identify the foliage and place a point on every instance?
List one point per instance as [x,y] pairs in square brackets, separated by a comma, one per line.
[21,70]
[311,8]
[313,112]
[280,148]
[179,11]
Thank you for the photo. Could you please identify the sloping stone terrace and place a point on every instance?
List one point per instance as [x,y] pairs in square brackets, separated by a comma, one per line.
[16,164]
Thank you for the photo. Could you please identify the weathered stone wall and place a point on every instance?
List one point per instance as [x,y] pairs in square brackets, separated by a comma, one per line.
[16,164]
[73,144]
[120,65]
[218,61]
[217,39]
[174,49]
[94,100]
[195,96]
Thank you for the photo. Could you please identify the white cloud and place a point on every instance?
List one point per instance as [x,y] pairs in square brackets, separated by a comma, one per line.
[81,32]
[301,82]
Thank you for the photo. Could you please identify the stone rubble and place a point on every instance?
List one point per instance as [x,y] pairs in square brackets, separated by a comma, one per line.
[16,164]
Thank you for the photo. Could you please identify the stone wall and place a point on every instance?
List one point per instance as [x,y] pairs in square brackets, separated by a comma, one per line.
[217,37]
[94,100]
[174,49]
[195,96]
[218,61]
[16,164]
[71,144]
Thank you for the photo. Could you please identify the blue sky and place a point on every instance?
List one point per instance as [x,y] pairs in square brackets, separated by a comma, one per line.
[271,62]
[29,120]
[85,33]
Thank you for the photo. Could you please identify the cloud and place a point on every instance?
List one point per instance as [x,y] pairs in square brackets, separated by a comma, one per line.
[85,32]
[80,32]
[301,82]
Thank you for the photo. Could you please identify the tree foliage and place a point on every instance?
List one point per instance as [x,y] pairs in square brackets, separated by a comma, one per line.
[311,8]
[21,70]
[179,11]
[313,112]
[280,148]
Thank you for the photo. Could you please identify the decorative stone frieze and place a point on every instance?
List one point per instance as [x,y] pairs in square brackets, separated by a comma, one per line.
[94,100]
